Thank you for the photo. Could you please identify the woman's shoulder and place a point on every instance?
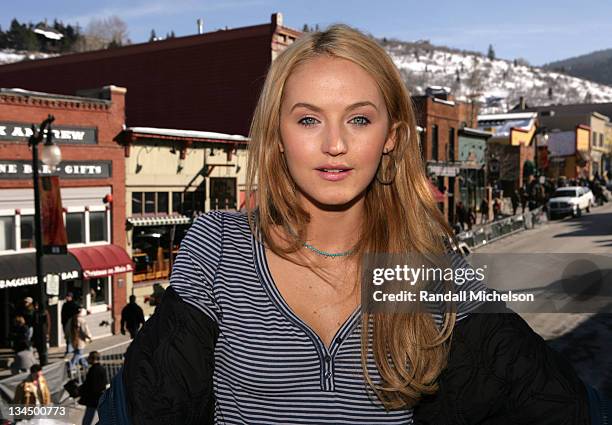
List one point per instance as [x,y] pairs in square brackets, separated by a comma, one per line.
[215,224]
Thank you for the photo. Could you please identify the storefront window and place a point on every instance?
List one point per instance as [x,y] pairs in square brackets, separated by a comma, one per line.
[223,193]
[152,250]
[434,142]
[27,231]
[149,202]
[162,202]
[136,202]
[97,290]
[75,227]
[97,226]
[7,234]
[177,202]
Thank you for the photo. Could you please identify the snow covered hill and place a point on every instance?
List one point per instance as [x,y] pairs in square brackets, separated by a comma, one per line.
[10,56]
[497,83]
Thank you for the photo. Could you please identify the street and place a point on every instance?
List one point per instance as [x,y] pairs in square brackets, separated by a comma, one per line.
[585,339]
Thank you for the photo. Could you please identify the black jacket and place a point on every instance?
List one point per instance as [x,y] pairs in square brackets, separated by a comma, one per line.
[132,316]
[499,372]
[94,385]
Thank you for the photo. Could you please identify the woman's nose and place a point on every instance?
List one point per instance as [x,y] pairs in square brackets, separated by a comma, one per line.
[334,142]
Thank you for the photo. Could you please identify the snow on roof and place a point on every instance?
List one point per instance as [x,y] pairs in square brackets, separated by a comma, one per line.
[49,33]
[30,93]
[187,133]
[502,124]
[509,116]
[475,132]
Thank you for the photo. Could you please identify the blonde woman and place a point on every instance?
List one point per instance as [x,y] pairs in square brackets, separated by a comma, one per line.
[262,322]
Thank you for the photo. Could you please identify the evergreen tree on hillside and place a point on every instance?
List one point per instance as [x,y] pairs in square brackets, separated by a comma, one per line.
[491,52]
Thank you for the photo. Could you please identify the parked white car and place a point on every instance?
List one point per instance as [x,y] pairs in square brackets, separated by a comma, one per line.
[570,200]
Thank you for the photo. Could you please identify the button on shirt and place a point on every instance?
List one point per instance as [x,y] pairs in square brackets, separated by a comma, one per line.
[270,367]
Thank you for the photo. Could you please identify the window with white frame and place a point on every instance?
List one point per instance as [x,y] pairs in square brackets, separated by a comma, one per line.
[97,226]
[27,232]
[17,230]
[75,227]
[7,233]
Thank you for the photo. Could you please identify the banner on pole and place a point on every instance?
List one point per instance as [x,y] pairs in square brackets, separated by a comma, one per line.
[53,229]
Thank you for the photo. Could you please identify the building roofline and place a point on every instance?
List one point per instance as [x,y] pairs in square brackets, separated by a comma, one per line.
[507,116]
[132,49]
[132,134]
[7,93]
[475,132]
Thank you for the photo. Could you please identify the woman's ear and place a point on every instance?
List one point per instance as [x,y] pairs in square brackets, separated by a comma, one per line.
[280,147]
[391,139]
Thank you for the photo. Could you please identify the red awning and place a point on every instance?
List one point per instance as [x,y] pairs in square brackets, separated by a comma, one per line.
[438,196]
[102,260]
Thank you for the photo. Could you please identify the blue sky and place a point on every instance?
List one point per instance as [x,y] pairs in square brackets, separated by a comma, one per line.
[539,31]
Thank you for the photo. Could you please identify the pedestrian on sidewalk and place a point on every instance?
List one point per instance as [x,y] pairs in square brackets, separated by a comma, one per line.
[23,359]
[496,209]
[69,308]
[484,211]
[523,198]
[41,334]
[26,310]
[461,215]
[34,390]
[132,317]
[79,334]
[93,387]
[156,297]
[471,218]
[514,198]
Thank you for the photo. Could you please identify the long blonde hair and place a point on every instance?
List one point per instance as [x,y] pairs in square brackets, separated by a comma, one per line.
[409,349]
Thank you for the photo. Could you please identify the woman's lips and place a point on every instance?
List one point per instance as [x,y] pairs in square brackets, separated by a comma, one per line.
[334,175]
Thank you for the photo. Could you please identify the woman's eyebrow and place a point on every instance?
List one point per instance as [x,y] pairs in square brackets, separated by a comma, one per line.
[348,108]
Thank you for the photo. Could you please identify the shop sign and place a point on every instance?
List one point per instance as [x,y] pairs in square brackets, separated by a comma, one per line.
[443,170]
[70,135]
[88,274]
[33,280]
[20,169]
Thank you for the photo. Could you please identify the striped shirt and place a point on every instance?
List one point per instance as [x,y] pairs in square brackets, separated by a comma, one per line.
[270,366]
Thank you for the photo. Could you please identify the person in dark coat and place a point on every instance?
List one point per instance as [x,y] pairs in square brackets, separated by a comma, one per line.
[93,387]
[24,356]
[484,211]
[461,215]
[26,310]
[69,309]
[514,198]
[132,317]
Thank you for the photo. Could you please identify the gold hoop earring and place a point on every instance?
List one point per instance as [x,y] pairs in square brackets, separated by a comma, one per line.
[387,175]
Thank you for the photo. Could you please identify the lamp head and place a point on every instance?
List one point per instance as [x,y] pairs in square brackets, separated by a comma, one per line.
[51,154]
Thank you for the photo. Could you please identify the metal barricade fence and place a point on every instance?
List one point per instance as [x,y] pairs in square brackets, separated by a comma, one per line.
[111,359]
[497,229]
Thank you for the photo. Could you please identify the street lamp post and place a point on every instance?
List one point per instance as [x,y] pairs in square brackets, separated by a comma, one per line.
[51,156]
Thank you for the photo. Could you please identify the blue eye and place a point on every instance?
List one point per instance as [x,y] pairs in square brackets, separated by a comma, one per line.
[361,120]
[307,121]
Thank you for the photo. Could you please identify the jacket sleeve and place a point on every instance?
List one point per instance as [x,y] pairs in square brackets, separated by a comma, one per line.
[168,367]
[501,372]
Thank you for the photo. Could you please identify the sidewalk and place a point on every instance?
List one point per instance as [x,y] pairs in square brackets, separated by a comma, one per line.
[57,353]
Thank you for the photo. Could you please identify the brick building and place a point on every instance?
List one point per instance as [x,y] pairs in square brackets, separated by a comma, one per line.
[207,82]
[92,180]
[440,118]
